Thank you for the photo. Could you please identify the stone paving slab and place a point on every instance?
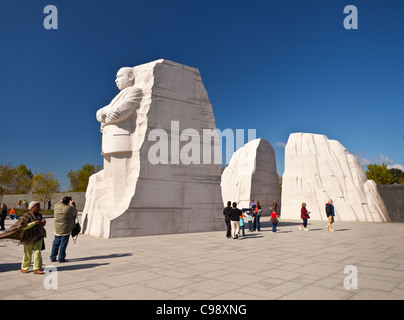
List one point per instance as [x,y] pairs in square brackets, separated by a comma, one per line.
[290,264]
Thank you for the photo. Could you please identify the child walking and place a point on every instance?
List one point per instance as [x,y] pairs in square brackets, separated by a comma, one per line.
[274,220]
[242,223]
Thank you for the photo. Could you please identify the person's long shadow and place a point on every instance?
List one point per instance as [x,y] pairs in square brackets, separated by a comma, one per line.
[67,267]
[6,267]
[109,256]
[268,224]
[250,236]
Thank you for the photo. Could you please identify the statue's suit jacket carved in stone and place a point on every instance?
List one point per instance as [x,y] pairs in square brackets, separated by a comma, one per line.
[118,121]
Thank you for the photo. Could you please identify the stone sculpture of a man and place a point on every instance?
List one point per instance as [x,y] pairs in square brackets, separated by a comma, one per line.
[118,119]
[121,198]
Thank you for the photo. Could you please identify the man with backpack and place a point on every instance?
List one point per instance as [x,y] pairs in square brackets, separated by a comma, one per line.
[329,210]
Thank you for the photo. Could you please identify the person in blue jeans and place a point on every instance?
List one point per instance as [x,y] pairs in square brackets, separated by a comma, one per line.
[274,220]
[64,221]
[258,217]
[59,247]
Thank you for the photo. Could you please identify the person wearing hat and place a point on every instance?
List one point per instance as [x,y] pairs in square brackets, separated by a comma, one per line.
[30,231]
[34,233]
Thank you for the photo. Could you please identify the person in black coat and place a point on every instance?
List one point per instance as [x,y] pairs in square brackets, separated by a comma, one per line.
[226,213]
[235,220]
[3,215]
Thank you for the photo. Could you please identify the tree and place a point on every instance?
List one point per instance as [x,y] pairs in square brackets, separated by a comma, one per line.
[398,175]
[44,186]
[379,174]
[79,179]
[74,180]
[15,180]
[23,180]
[6,176]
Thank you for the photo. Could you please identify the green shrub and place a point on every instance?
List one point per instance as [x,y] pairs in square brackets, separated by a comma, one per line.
[21,212]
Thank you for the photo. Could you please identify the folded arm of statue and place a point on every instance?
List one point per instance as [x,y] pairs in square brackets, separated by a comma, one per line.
[101,115]
[122,110]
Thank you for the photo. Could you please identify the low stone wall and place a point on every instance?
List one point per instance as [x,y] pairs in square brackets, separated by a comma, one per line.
[12,200]
[393,196]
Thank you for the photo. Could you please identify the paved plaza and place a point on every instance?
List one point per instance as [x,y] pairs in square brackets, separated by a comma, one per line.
[291,264]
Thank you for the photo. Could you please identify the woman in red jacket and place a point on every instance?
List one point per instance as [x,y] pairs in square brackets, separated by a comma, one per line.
[304,215]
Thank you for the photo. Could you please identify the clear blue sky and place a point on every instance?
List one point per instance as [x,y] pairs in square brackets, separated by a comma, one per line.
[275,66]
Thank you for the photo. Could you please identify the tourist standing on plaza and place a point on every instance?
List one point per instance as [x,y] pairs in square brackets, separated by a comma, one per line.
[235,221]
[329,210]
[65,215]
[258,211]
[34,234]
[250,220]
[304,214]
[226,213]
[3,215]
[30,231]
[253,205]
[274,220]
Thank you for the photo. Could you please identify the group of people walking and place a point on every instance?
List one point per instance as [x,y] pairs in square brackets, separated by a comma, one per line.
[305,215]
[30,230]
[234,218]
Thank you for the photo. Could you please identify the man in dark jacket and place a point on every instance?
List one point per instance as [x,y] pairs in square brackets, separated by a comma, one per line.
[226,213]
[235,220]
[329,210]
[3,215]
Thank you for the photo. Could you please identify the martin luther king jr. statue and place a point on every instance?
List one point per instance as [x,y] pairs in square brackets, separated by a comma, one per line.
[134,196]
[117,119]
[109,191]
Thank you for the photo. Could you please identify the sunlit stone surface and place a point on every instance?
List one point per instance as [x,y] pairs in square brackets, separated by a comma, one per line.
[318,169]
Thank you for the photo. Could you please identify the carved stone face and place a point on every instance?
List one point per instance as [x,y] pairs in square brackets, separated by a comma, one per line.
[124,78]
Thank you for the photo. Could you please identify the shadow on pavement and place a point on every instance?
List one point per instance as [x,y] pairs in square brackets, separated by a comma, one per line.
[109,256]
[67,267]
[250,236]
[5,267]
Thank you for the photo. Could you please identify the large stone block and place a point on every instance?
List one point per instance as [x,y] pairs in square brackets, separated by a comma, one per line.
[145,187]
[318,169]
[251,175]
